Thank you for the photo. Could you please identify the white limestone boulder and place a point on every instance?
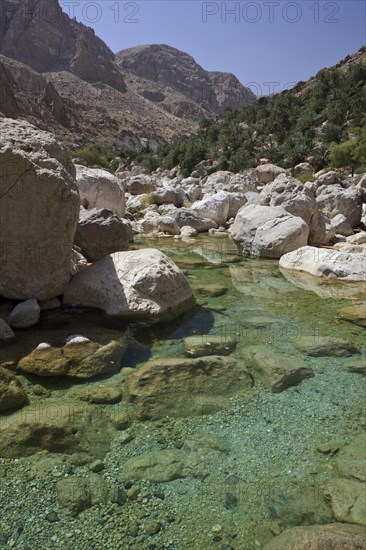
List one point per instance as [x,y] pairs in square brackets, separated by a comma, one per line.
[99,188]
[325,262]
[39,210]
[268,231]
[137,284]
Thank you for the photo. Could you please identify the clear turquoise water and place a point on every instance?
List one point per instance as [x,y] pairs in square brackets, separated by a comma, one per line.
[273,472]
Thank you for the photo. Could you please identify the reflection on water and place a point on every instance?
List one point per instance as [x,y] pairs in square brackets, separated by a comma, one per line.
[271,476]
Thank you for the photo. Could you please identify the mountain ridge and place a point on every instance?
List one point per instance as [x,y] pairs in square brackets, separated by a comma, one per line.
[83,93]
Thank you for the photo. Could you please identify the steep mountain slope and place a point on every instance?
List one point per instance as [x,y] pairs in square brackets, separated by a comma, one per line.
[39,34]
[59,75]
[321,121]
[26,93]
[170,67]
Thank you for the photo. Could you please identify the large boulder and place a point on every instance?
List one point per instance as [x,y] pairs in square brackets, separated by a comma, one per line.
[268,231]
[333,200]
[139,185]
[340,536]
[170,194]
[192,188]
[56,427]
[324,262]
[167,224]
[236,201]
[213,207]
[184,387]
[297,199]
[265,173]
[361,188]
[303,168]
[39,210]
[135,203]
[227,181]
[329,178]
[12,394]
[137,284]
[100,232]
[25,314]
[340,225]
[99,188]
[188,217]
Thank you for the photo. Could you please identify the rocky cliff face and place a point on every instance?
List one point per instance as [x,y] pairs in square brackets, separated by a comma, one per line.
[39,34]
[57,74]
[177,70]
[26,93]
[229,91]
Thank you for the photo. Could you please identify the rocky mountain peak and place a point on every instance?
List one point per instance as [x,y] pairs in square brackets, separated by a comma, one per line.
[171,67]
[39,34]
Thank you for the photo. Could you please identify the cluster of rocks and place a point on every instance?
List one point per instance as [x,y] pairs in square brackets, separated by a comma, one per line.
[63,243]
[56,218]
[266,211]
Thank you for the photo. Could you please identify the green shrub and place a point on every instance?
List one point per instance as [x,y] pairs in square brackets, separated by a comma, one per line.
[305,176]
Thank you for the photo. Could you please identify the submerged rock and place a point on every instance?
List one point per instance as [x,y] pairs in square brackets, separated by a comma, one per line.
[324,346]
[199,346]
[357,365]
[80,360]
[350,462]
[6,332]
[184,387]
[102,395]
[274,370]
[76,494]
[340,536]
[155,466]
[12,394]
[137,284]
[354,314]
[57,427]
[347,499]
[211,290]
[192,460]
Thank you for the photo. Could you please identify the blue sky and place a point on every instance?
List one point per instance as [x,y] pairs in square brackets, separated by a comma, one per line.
[268,44]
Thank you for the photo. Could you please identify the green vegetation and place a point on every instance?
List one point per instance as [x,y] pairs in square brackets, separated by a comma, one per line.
[305,176]
[96,154]
[323,121]
[317,120]
[108,156]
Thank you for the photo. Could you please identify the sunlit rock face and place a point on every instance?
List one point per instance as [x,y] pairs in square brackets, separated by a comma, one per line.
[39,210]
